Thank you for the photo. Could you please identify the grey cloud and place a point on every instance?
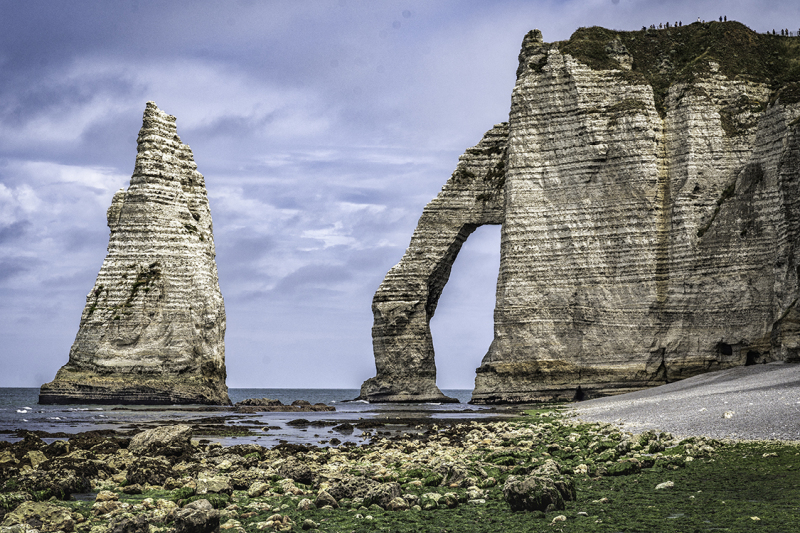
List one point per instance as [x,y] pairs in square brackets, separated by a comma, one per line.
[14,231]
[232,126]
[235,248]
[10,267]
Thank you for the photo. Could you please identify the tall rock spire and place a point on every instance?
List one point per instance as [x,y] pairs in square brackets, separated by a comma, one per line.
[153,328]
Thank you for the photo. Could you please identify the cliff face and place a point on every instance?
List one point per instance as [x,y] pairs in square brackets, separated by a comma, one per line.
[650,216]
[153,328]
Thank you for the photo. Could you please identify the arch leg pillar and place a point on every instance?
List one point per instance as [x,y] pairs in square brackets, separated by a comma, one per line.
[406,300]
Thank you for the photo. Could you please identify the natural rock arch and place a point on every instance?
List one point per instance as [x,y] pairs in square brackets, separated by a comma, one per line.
[406,300]
[650,222]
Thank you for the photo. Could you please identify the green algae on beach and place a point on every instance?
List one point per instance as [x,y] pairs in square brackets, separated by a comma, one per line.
[444,478]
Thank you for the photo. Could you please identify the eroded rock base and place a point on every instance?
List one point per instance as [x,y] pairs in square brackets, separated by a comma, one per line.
[85,388]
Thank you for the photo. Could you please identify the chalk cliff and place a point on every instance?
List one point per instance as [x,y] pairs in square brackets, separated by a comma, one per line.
[648,187]
[153,328]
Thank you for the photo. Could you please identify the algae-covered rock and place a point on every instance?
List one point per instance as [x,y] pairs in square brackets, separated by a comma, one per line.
[257,489]
[296,471]
[624,468]
[44,516]
[129,524]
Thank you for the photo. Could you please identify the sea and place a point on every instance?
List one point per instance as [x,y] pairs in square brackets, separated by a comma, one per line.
[19,410]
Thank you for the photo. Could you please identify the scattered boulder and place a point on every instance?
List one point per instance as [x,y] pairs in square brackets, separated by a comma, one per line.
[149,470]
[257,489]
[34,458]
[164,440]
[306,505]
[198,516]
[351,487]
[397,504]
[138,489]
[106,496]
[624,467]
[532,494]
[258,402]
[323,499]
[297,471]
[254,405]
[101,508]
[449,500]
[381,494]
[128,524]
[430,500]
[344,428]
[213,484]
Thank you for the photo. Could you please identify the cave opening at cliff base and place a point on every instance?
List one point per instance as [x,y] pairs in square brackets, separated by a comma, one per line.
[463,325]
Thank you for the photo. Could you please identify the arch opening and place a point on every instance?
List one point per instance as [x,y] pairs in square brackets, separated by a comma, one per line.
[462,326]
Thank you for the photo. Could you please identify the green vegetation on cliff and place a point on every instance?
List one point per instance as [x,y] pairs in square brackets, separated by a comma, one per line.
[663,57]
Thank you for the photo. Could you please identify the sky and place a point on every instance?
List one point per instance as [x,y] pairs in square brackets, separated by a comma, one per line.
[322,129]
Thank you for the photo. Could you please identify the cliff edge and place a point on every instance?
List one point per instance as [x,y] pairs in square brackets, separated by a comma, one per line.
[648,187]
[153,328]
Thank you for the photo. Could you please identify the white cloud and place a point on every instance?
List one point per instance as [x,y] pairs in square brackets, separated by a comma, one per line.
[331,236]
[17,201]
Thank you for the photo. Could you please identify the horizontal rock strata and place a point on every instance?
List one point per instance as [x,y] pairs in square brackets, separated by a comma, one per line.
[153,328]
[650,217]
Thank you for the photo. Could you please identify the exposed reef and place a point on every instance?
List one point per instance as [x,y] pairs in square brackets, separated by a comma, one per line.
[153,328]
[648,187]
[258,405]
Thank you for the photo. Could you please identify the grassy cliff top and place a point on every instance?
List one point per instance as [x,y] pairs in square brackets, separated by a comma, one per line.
[663,57]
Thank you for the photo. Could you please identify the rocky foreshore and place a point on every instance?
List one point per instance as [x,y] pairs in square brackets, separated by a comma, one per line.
[541,467]
[255,405]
